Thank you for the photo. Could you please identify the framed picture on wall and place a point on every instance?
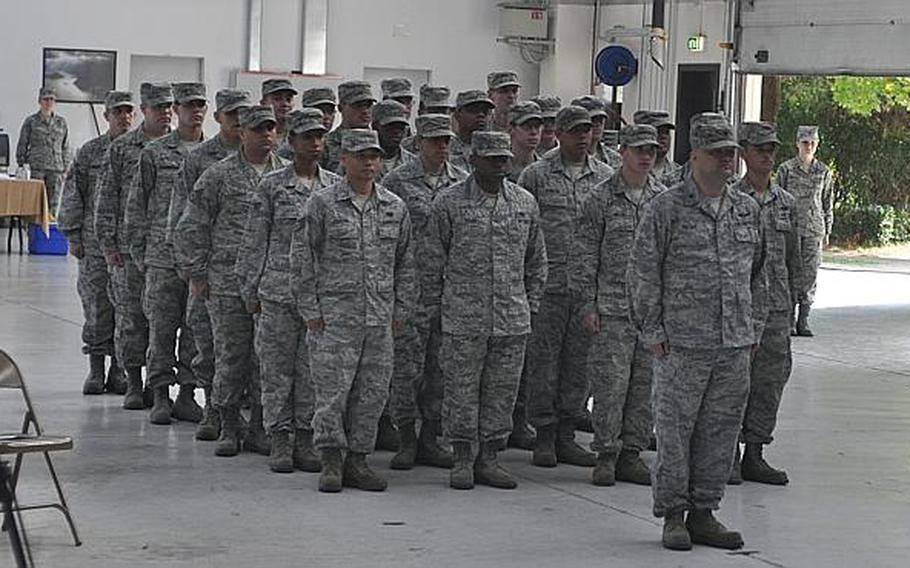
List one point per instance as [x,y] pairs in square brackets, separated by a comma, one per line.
[79,75]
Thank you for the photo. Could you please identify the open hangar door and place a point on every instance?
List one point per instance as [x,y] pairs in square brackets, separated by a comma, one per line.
[823,37]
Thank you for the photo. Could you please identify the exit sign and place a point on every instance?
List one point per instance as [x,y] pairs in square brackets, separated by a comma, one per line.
[696,43]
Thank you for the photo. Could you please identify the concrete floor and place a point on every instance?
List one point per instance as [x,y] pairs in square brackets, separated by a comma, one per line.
[148,495]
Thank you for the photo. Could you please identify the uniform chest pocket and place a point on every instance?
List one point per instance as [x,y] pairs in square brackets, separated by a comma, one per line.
[554,200]
[745,234]
[619,222]
[389,229]
[782,222]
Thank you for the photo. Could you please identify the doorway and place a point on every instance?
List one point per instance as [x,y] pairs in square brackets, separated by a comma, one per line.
[696,91]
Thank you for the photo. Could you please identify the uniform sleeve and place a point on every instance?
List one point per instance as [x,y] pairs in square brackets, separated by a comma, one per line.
[437,251]
[828,202]
[646,284]
[22,145]
[528,179]
[136,224]
[794,257]
[759,284]
[591,244]
[782,176]
[72,205]
[254,245]
[107,202]
[65,145]
[405,271]
[193,234]
[305,247]
[535,262]
[186,177]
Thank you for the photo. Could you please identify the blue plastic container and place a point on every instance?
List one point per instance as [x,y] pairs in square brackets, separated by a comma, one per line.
[54,243]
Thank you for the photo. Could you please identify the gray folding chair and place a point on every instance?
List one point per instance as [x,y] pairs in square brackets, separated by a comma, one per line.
[31,439]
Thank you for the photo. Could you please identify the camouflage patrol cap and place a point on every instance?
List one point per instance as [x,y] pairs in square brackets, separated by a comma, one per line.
[434,126]
[46,93]
[757,133]
[318,96]
[637,135]
[571,116]
[306,120]
[524,111]
[549,105]
[656,118]
[270,86]
[610,138]
[807,133]
[353,92]
[188,92]
[711,131]
[500,79]
[466,98]
[435,97]
[396,87]
[595,105]
[154,94]
[116,99]
[256,115]
[488,143]
[356,140]
[229,100]
[389,112]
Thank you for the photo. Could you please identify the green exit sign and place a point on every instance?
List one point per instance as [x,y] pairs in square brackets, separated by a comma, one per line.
[696,43]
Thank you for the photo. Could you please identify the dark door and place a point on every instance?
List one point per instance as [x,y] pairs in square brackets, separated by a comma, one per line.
[696,91]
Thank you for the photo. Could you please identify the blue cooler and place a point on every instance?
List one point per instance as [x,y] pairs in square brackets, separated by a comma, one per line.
[53,243]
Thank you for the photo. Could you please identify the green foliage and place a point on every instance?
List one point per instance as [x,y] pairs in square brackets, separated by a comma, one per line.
[870,225]
[868,95]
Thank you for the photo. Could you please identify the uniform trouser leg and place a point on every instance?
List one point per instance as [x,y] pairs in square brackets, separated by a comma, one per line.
[235,361]
[770,372]
[698,399]
[165,308]
[481,376]
[620,371]
[557,360]
[93,285]
[417,390]
[53,183]
[131,331]
[811,250]
[351,369]
[198,321]
[431,392]
[287,389]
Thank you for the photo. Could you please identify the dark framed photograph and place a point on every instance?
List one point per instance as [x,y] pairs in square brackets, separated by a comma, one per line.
[80,75]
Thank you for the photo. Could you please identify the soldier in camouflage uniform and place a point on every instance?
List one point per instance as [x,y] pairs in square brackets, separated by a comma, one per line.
[812,184]
[207,238]
[698,293]
[417,389]
[228,103]
[390,121]
[773,361]
[598,109]
[665,170]
[127,282]
[264,269]
[322,98]
[610,139]
[558,385]
[472,114]
[400,90]
[433,100]
[619,365]
[77,222]
[486,271]
[355,100]
[354,268]
[165,296]
[279,94]
[502,88]
[44,145]
[549,107]
[525,124]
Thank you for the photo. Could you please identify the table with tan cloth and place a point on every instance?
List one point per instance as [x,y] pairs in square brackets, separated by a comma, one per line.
[25,199]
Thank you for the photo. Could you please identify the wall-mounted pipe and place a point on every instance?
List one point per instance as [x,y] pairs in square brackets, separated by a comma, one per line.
[254,52]
[315,36]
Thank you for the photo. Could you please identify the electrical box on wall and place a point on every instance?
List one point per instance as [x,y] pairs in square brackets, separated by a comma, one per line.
[525,21]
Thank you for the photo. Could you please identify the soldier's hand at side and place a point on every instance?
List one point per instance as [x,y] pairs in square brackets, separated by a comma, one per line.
[77,250]
[114,258]
[199,288]
[591,323]
[398,326]
[754,348]
[183,275]
[826,241]
[660,349]
[253,307]
[315,325]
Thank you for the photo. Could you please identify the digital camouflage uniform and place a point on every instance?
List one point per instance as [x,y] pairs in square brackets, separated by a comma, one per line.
[264,268]
[76,221]
[417,386]
[772,363]
[43,144]
[558,347]
[619,365]
[486,269]
[355,270]
[697,285]
[165,295]
[206,241]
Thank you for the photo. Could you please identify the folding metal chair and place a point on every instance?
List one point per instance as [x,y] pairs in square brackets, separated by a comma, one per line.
[31,439]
